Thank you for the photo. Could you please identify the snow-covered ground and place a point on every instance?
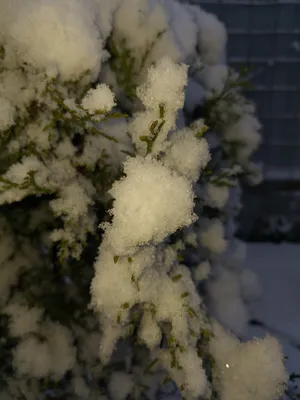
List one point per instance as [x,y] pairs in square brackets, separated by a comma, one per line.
[278,267]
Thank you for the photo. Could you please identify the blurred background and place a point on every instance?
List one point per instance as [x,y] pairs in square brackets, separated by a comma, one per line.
[264,35]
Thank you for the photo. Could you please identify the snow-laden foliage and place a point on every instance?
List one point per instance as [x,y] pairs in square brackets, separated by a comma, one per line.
[118,206]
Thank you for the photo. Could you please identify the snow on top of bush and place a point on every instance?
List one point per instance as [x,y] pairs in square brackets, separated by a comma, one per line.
[63,352]
[104,10]
[33,357]
[146,18]
[192,375]
[202,271]
[165,85]
[120,385]
[183,25]
[52,356]
[60,35]
[100,98]
[150,203]
[18,87]
[7,114]
[214,77]
[112,285]
[137,270]
[80,388]
[212,236]
[254,369]
[217,196]
[226,303]
[247,131]
[23,319]
[212,36]
[195,377]
[187,154]
[162,95]
[140,126]
[139,22]
[74,201]
[18,172]
[36,134]
[150,333]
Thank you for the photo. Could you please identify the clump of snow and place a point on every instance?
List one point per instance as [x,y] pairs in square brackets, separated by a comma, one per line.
[190,237]
[195,376]
[254,173]
[191,378]
[23,320]
[63,352]
[65,149]
[7,114]
[80,387]
[214,77]
[217,196]
[33,357]
[225,301]
[183,26]
[254,369]
[53,353]
[37,135]
[57,34]
[100,98]
[246,131]
[140,126]
[212,36]
[150,203]
[120,385]
[149,331]
[104,11]
[109,276]
[73,202]
[202,271]
[162,95]
[164,86]
[187,154]
[212,236]
[143,23]
[17,173]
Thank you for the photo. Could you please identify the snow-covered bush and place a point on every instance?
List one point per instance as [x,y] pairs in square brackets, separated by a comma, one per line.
[118,206]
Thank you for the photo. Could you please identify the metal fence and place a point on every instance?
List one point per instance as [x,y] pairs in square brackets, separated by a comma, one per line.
[265,36]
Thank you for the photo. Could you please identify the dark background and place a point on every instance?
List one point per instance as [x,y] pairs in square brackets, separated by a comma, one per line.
[264,35]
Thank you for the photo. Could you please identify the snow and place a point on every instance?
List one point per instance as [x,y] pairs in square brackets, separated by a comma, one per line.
[165,85]
[212,236]
[247,370]
[67,41]
[120,385]
[151,193]
[101,98]
[187,154]
[7,114]
[278,269]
